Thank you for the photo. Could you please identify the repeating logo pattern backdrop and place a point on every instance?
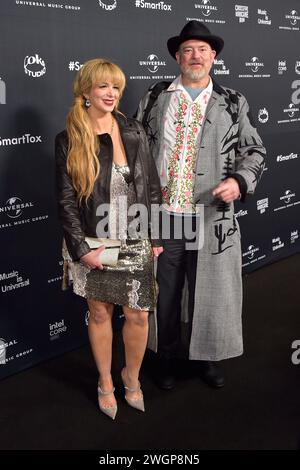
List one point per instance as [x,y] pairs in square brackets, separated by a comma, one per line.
[42,45]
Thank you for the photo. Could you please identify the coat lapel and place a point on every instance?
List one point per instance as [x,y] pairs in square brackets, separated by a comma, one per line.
[130,139]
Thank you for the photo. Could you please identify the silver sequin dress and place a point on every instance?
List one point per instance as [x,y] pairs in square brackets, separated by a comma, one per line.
[131,282]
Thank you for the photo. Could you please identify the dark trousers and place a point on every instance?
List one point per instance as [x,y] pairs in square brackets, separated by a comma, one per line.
[173,264]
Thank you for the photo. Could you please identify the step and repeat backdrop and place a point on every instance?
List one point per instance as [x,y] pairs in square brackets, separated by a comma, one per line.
[42,46]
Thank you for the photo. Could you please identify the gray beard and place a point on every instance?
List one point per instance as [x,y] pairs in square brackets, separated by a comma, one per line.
[193,75]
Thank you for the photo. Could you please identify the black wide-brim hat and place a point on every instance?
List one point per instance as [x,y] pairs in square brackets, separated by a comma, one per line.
[195,30]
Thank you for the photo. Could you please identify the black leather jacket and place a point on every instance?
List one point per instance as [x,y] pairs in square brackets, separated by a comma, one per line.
[79,221]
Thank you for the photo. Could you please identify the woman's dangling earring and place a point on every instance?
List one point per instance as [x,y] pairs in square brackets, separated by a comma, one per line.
[87,103]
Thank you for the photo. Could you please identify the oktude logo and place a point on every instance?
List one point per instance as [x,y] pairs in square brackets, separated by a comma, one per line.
[297,67]
[2,92]
[263,115]
[152,63]
[34,66]
[153,5]
[24,139]
[56,329]
[108,5]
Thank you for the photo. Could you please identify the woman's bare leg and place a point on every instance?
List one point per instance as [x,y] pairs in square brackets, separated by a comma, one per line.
[100,335]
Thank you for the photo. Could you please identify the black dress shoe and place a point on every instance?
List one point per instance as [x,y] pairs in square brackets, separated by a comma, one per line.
[211,373]
[166,376]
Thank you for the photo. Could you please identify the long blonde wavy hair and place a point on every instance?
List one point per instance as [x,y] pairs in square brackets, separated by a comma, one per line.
[82,160]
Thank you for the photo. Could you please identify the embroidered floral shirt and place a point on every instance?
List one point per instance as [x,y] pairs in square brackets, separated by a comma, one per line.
[182,131]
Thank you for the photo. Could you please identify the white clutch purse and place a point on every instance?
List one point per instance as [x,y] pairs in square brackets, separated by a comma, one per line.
[110,255]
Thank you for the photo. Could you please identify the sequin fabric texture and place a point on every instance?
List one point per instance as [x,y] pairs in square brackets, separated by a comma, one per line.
[131,282]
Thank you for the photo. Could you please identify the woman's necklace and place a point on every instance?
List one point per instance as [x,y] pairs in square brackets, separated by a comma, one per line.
[112,125]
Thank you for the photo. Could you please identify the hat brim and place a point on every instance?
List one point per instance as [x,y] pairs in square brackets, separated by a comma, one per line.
[215,42]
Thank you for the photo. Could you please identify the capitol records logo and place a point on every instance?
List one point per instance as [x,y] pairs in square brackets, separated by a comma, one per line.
[2,92]
[282,67]
[206,7]
[241,12]
[262,205]
[277,244]
[14,207]
[220,67]
[263,115]
[152,63]
[297,67]
[294,236]
[108,5]
[34,66]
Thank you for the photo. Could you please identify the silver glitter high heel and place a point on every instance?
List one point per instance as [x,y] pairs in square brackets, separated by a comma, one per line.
[138,403]
[110,411]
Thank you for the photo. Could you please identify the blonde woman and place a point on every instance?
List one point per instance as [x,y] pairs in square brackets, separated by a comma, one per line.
[103,156]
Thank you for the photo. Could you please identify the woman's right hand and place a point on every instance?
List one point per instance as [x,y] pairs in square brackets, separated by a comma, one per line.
[92,260]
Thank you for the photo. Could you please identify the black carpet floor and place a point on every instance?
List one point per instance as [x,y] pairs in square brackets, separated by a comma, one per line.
[54,405]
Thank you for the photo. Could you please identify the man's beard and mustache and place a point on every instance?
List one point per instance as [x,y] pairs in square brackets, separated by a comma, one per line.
[193,74]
